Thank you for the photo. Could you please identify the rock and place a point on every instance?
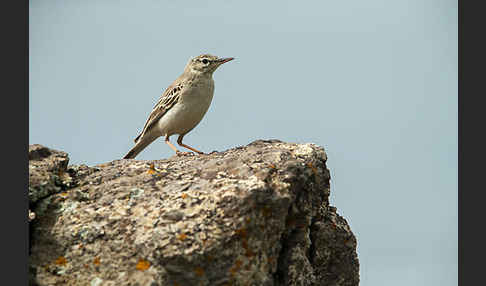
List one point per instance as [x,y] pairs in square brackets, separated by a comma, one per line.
[49,174]
[252,215]
[47,167]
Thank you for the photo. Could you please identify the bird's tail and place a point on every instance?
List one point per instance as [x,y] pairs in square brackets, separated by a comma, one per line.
[139,146]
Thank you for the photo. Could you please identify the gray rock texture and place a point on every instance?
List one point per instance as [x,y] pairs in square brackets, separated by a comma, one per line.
[47,169]
[252,215]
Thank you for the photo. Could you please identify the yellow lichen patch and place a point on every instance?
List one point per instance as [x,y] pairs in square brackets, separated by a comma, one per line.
[184,196]
[61,260]
[249,253]
[241,232]
[64,194]
[199,271]
[142,265]
[314,169]
[244,244]
[235,267]
[96,261]
[151,169]
[182,236]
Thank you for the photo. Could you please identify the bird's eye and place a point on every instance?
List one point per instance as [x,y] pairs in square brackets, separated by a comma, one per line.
[205,61]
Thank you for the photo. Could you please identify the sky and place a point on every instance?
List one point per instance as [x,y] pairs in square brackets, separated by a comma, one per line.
[373,82]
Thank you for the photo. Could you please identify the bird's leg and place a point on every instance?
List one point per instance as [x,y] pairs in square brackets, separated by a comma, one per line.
[170,144]
[179,141]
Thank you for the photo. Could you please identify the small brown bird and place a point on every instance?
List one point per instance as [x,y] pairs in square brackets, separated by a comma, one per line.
[182,105]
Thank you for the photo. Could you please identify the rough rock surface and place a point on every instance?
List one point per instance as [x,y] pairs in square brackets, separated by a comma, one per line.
[47,167]
[252,215]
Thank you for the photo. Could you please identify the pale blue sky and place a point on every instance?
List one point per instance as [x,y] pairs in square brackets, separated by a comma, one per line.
[373,82]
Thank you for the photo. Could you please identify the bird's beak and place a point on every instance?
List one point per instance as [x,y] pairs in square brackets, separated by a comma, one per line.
[225,60]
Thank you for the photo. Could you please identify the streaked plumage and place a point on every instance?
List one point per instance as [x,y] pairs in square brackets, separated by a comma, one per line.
[182,105]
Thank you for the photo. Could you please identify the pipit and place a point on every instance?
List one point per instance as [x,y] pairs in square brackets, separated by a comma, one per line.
[182,105]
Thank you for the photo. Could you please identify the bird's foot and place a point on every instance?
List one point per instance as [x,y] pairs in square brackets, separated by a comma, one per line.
[179,153]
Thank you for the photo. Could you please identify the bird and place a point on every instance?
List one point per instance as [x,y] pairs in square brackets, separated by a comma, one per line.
[181,106]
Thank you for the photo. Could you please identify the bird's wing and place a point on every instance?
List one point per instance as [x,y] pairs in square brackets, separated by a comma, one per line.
[170,97]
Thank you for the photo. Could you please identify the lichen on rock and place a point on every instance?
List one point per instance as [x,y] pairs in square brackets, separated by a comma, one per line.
[253,215]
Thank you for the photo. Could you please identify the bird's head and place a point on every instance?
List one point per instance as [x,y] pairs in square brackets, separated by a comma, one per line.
[205,63]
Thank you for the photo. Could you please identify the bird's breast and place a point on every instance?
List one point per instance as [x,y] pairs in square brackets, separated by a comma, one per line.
[193,105]
[199,90]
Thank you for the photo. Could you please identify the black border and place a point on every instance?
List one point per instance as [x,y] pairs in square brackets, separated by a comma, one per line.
[471,240]
[15,138]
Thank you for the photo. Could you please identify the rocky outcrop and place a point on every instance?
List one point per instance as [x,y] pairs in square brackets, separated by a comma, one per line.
[47,168]
[252,215]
